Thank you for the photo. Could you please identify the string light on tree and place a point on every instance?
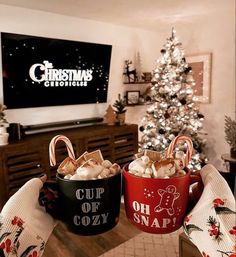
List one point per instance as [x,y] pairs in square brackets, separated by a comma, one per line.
[173,111]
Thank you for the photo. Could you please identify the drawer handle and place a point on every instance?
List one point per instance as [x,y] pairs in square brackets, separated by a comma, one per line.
[121,141]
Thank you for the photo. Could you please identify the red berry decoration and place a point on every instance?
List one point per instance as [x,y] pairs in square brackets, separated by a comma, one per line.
[218,202]
[14,221]
[233,231]
[20,222]
[186,219]
[2,245]
[205,255]
[8,245]
[34,254]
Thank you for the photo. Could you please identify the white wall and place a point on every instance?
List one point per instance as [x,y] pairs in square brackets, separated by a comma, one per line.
[123,40]
[205,34]
[216,34]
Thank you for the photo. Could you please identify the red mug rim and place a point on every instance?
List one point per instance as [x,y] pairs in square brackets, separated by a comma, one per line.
[125,167]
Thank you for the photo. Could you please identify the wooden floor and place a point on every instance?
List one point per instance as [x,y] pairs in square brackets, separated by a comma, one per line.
[65,244]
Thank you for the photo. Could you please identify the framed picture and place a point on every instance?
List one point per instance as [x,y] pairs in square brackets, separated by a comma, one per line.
[132,97]
[147,76]
[201,71]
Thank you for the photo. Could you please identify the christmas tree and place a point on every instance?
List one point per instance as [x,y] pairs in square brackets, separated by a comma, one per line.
[172,110]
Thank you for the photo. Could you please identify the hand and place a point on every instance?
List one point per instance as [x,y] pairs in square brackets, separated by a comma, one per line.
[25,224]
[211,223]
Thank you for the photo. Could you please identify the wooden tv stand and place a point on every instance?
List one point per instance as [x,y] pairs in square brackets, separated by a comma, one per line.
[29,157]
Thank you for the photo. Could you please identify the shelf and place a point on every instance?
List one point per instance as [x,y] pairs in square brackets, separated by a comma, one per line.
[134,105]
[138,82]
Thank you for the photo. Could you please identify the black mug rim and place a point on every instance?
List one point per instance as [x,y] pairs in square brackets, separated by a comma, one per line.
[59,176]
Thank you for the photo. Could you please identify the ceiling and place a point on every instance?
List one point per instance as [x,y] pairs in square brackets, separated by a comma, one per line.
[145,14]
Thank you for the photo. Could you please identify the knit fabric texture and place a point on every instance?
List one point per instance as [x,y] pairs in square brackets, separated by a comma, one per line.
[24,224]
[211,225]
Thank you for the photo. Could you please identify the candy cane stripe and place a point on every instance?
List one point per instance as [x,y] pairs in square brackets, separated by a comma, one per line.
[52,146]
[170,150]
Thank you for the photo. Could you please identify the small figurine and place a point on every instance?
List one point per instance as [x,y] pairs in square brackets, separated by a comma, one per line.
[130,74]
[110,116]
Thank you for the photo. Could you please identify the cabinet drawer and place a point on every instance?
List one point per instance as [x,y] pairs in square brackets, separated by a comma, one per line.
[125,146]
[103,143]
[22,167]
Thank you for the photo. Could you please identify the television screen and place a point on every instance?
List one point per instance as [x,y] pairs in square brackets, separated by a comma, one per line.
[41,71]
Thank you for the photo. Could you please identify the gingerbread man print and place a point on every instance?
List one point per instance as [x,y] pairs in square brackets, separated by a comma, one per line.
[168,197]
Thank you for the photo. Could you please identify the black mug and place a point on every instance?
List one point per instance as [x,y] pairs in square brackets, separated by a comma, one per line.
[89,207]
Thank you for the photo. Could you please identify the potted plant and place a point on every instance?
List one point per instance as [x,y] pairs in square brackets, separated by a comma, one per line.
[230,135]
[120,110]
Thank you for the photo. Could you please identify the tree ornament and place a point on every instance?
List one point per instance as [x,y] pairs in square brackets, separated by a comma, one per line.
[187,70]
[167,115]
[141,128]
[173,96]
[162,131]
[200,116]
[183,101]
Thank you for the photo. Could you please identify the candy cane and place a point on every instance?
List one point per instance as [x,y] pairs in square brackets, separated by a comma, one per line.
[170,150]
[52,146]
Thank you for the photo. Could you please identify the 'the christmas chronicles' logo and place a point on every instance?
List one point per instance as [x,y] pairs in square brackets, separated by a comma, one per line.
[59,77]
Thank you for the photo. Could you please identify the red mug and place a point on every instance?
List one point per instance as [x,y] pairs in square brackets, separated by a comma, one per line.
[157,205]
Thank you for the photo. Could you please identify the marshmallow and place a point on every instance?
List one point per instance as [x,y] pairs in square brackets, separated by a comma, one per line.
[76,177]
[106,164]
[68,176]
[146,175]
[150,165]
[132,172]
[145,159]
[148,171]
[90,169]
[115,169]
[88,166]
[105,173]
[137,165]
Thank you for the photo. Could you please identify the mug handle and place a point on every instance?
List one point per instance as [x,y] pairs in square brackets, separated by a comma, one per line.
[197,189]
[49,199]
